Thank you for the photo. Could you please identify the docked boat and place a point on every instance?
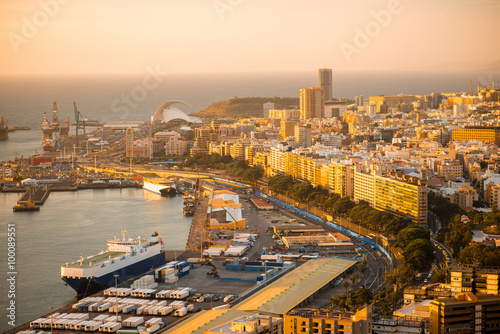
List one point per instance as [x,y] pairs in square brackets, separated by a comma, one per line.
[4,133]
[188,205]
[162,187]
[28,206]
[125,258]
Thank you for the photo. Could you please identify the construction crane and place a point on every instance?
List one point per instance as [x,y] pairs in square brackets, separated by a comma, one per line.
[82,121]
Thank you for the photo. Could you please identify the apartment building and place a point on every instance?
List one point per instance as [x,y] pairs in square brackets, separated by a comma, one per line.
[322,321]
[465,313]
[482,133]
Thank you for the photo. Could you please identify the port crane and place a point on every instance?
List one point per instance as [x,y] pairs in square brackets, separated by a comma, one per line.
[82,121]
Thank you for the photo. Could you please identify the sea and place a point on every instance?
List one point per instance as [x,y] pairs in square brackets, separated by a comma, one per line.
[74,223]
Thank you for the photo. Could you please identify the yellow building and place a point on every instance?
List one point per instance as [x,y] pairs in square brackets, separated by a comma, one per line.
[287,128]
[322,321]
[341,179]
[307,168]
[291,161]
[276,160]
[465,313]
[482,133]
[251,324]
[469,278]
[312,103]
[402,196]
[237,151]
[398,194]
[396,101]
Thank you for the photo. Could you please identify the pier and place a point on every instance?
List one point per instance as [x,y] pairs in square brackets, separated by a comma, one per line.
[37,195]
[198,225]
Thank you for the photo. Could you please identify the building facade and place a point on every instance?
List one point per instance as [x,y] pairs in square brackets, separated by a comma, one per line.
[312,103]
[321,321]
[465,313]
[485,134]
[325,82]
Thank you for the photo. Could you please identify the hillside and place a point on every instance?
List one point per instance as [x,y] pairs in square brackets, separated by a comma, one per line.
[246,107]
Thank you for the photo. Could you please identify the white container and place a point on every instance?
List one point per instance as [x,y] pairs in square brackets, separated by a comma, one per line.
[180,312]
[165,310]
[152,321]
[140,310]
[92,326]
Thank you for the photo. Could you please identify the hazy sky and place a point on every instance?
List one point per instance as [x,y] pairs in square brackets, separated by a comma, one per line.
[124,36]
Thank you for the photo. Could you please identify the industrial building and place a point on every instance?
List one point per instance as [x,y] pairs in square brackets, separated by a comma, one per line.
[294,289]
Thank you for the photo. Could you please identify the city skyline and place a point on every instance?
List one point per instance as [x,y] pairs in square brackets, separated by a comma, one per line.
[59,37]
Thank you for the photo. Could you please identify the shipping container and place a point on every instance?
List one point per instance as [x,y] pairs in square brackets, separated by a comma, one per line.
[180,312]
[165,310]
[103,307]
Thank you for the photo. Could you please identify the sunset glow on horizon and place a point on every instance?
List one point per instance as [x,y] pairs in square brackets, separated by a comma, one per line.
[57,37]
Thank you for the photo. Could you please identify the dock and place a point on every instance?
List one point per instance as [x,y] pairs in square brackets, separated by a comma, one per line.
[196,232]
[37,195]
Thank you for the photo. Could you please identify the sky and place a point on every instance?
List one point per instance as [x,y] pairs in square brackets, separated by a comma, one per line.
[86,37]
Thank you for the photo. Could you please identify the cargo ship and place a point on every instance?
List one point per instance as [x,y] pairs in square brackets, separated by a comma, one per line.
[124,258]
[162,187]
[4,133]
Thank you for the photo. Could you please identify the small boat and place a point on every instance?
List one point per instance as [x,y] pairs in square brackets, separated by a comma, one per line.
[28,206]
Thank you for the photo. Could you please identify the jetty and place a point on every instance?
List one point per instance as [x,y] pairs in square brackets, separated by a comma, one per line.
[197,230]
[37,195]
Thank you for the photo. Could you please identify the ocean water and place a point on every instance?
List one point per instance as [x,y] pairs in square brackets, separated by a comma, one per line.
[70,224]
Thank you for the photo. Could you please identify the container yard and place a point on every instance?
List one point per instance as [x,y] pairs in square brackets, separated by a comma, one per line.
[235,266]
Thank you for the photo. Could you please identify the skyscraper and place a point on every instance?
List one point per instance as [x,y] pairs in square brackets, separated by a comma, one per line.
[325,82]
[312,103]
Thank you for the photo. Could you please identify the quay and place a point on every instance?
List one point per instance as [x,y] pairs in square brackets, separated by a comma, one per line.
[36,195]
[198,224]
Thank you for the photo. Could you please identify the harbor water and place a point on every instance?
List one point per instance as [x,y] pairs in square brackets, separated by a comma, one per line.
[70,224]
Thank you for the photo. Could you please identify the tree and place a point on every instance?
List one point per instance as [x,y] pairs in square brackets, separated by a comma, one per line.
[479,253]
[385,309]
[346,286]
[419,251]
[412,232]
[364,296]
[340,301]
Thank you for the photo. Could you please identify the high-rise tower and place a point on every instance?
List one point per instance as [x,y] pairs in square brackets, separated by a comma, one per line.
[312,103]
[325,82]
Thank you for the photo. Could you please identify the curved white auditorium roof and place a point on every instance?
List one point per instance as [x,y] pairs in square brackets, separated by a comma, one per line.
[169,112]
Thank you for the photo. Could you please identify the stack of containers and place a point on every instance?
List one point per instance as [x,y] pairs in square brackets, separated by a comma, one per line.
[145,282]
[183,268]
[166,273]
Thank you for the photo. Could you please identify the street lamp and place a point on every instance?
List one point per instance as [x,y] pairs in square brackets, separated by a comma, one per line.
[265,265]
[116,295]
[50,307]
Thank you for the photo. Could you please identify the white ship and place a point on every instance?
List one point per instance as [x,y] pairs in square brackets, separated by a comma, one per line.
[162,187]
[124,258]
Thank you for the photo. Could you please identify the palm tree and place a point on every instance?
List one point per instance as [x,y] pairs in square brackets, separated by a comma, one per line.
[353,279]
[346,286]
